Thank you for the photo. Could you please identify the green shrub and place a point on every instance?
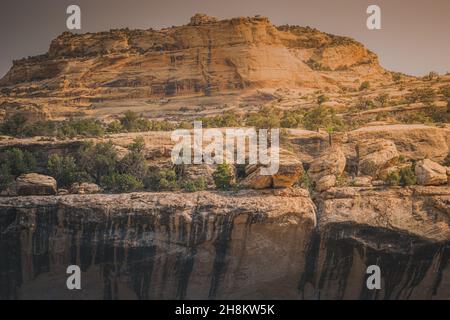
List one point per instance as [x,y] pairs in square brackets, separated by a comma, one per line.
[134,163]
[13,163]
[195,185]
[14,126]
[227,119]
[118,182]
[306,182]
[19,161]
[223,177]
[421,95]
[81,127]
[114,127]
[98,160]
[163,179]
[6,178]
[64,170]
[393,178]
[320,117]
[265,118]
[407,176]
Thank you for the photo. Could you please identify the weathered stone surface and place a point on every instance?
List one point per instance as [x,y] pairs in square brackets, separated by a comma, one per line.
[331,162]
[403,231]
[375,155]
[289,171]
[85,188]
[325,183]
[35,184]
[205,58]
[192,246]
[362,181]
[415,141]
[430,173]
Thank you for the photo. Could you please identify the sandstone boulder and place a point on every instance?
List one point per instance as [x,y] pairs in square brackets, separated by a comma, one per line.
[331,162]
[430,173]
[289,172]
[325,183]
[85,188]
[375,155]
[33,184]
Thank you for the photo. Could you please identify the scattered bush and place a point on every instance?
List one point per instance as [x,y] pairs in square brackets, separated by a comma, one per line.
[163,179]
[120,182]
[407,176]
[195,185]
[13,163]
[393,178]
[223,177]
[382,99]
[421,95]
[64,170]
[364,86]
[98,160]
[306,182]
[134,163]
[321,99]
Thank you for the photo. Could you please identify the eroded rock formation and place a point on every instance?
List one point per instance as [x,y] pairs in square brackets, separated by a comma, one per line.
[250,244]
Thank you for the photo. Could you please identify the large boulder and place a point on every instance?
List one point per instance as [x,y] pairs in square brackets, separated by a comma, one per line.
[375,155]
[331,162]
[289,172]
[33,184]
[430,173]
[325,183]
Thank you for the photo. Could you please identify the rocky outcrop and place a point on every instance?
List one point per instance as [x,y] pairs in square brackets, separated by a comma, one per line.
[35,184]
[155,245]
[205,58]
[412,141]
[290,168]
[325,183]
[330,162]
[259,245]
[375,155]
[405,232]
[430,173]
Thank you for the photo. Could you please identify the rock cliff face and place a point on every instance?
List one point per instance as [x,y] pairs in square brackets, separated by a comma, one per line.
[203,58]
[155,246]
[250,244]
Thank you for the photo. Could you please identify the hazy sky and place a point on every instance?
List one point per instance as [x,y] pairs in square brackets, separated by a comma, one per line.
[415,35]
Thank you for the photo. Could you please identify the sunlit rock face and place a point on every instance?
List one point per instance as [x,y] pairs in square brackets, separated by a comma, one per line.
[249,244]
